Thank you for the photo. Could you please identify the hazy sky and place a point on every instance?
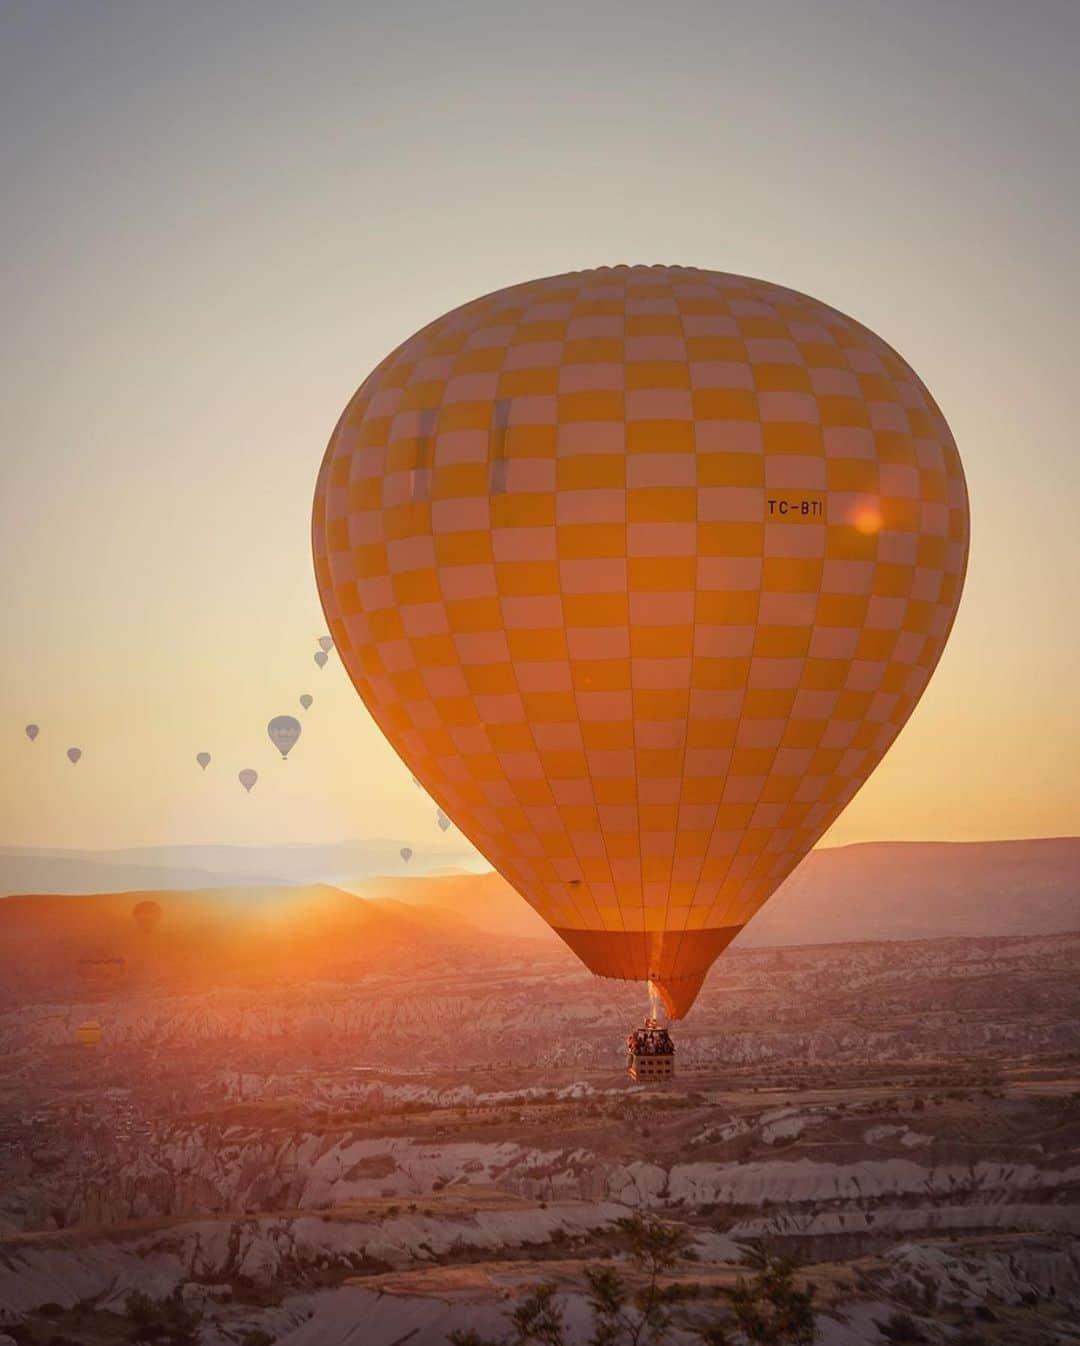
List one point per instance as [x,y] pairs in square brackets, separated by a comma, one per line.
[216,218]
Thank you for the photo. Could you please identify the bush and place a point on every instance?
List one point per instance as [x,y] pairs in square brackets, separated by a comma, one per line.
[256,1337]
[901,1329]
[169,1321]
[766,1310]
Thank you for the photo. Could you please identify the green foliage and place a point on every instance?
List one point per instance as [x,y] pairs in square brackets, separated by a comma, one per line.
[769,1309]
[255,1336]
[168,1321]
[901,1329]
[766,1309]
[537,1321]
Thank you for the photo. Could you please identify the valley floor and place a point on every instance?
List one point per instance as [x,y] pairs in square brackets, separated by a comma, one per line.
[903,1120]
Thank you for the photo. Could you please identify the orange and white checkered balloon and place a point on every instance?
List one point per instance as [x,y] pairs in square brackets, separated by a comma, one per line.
[641,570]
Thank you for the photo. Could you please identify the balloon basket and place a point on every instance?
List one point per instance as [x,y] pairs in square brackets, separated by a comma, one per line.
[650,1054]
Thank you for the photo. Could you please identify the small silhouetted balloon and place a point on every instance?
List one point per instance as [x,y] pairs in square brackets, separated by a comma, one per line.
[247,778]
[443,820]
[203,759]
[306,701]
[315,1033]
[321,657]
[284,730]
[73,755]
[147,915]
[326,644]
[406,853]
[32,732]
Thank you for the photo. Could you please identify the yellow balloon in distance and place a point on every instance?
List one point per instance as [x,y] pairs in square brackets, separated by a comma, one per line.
[88,1033]
[641,570]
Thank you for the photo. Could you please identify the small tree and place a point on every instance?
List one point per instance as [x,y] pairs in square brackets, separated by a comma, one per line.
[769,1309]
[643,1317]
[537,1321]
[169,1321]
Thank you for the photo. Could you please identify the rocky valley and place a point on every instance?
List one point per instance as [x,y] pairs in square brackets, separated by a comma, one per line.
[902,1118]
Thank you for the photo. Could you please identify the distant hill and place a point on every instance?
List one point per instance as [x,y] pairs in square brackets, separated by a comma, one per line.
[486,900]
[28,870]
[925,890]
[70,946]
[872,891]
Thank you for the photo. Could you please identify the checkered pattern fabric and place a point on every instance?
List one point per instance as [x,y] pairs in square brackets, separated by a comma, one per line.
[641,570]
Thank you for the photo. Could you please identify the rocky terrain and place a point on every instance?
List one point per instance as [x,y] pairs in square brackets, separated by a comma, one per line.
[903,1118]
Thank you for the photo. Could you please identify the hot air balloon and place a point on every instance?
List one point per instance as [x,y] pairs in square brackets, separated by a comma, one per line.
[284,730]
[326,644]
[247,778]
[442,820]
[88,1033]
[73,755]
[321,657]
[306,701]
[315,1034]
[32,731]
[406,853]
[203,759]
[641,570]
[147,915]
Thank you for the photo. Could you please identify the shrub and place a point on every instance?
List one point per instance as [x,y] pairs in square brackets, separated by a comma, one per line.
[169,1321]
[901,1329]
[767,1309]
[255,1336]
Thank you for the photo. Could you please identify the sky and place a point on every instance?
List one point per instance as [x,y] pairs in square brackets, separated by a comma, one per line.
[218,218]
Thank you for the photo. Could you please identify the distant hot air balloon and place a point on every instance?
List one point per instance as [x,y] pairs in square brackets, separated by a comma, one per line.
[32,731]
[406,853]
[247,778]
[203,759]
[442,820]
[73,755]
[147,915]
[644,604]
[315,1033]
[284,730]
[326,644]
[306,701]
[321,657]
[88,1033]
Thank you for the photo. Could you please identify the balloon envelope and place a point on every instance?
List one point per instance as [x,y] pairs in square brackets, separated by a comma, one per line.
[284,730]
[306,701]
[32,732]
[247,778]
[326,644]
[442,820]
[88,1033]
[321,657]
[203,759]
[315,1033]
[655,564]
[406,853]
[146,915]
[73,755]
